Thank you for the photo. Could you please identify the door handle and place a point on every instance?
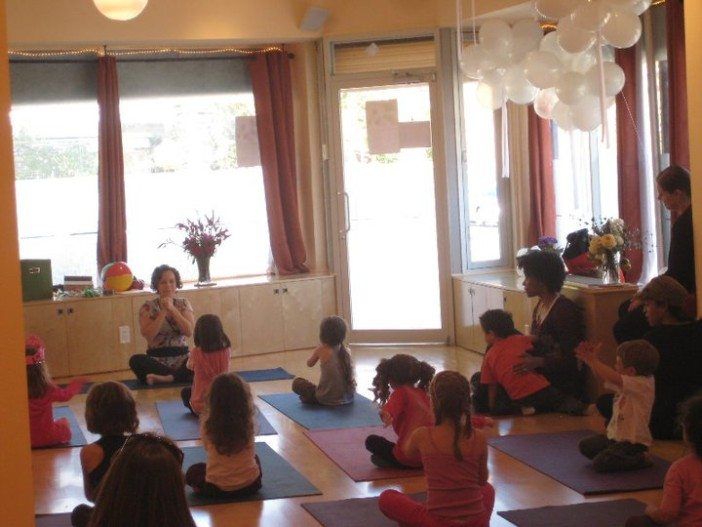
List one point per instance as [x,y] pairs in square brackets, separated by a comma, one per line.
[276,291]
[347,212]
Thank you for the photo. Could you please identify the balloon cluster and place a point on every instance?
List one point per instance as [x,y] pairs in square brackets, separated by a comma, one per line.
[562,73]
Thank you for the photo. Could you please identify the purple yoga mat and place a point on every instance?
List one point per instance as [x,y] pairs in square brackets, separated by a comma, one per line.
[557,456]
[357,512]
[53,520]
[346,448]
[601,513]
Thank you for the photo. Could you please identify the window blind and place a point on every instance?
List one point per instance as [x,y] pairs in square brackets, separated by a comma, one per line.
[35,82]
[391,55]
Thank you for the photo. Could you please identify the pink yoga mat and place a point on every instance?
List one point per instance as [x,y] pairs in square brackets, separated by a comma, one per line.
[346,448]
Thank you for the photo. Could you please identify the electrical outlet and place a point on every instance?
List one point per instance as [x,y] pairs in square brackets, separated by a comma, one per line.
[125,334]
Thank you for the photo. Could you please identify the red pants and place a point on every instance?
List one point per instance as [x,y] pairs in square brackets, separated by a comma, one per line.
[409,513]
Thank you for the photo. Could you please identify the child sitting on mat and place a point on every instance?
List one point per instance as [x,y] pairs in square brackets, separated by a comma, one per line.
[207,359]
[682,491]
[337,384]
[454,456]
[400,386]
[628,437]
[227,428]
[144,486]
[44,431]
[502,389]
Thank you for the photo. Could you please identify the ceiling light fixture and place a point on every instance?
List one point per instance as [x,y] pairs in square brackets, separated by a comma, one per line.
[120,9]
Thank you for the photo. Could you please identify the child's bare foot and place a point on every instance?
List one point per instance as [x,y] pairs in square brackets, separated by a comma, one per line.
[528,410]
[152,378]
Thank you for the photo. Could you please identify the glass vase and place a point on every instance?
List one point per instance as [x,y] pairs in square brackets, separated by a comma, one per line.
[611,270]
[203,271]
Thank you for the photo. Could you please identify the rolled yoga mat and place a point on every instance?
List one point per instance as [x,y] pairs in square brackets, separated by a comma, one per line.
[557,456]
[77,437]
[357,512]
[181,425]
[280,479]
[600,513]
[361,412]
[346,447]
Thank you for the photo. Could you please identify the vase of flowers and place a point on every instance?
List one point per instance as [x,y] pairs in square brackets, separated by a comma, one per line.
[202,237]
[608,244]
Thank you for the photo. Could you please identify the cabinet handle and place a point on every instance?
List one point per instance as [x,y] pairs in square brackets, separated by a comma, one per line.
[275,291]
[285,290]
[59,311]
[70,310]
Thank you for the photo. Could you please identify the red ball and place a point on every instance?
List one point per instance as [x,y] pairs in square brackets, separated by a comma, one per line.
[117,276]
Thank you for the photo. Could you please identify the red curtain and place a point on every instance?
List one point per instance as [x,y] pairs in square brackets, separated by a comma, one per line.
[272,89]
[677,86]
[112,218]
[628,156]
[541,183]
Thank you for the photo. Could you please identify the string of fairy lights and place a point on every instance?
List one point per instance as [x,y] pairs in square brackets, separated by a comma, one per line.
[102,51]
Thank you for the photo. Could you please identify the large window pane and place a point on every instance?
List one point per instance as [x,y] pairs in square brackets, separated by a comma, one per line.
[181,159]
[55,148]
[482,203]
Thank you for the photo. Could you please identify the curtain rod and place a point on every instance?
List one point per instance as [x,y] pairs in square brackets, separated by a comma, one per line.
[101,51]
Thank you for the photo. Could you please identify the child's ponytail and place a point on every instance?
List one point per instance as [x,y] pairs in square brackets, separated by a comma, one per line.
[425,373]
[400,370]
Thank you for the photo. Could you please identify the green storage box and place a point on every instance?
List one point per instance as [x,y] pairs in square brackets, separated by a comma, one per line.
[36,280]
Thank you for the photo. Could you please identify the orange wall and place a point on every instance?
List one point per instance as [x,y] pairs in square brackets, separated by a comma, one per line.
[17,498]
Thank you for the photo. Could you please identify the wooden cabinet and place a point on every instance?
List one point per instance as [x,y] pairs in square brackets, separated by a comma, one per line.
[262,329]
[92,336]
[302,313]
[49,322]
[230,315]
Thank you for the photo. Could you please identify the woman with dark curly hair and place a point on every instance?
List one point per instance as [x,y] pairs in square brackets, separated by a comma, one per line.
[165,322]
[232,469]
[557,324]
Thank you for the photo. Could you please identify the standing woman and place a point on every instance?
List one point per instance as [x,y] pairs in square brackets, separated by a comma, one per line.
[165,322]
[557,324]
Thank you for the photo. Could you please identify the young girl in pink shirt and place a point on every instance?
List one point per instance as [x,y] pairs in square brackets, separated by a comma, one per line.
[209,358]
[44,431]
[454,456]
[682,491]
[400,386]
[227,428]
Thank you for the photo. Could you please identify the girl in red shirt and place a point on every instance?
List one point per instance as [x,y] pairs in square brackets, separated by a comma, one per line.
[44,431]
[400,386]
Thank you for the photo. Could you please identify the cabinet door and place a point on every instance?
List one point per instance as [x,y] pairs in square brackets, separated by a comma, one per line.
[462,313]
[230,315]
[479,300]
[48,321]
[302,312]
[91,338]
[328,297]
[262,329]
[517,303]
[494,298]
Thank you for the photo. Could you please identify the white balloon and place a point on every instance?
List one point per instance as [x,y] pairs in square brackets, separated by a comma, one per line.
[517,88]
[555,9]
[526,35]
[623,29]
[573,39]
[542,69]
[613,75]
[641,6]
[571,87]
[475,61]
[491,91]
[544,103]
[582,62]
[563,116]
[591,16]
[622,3]
[586,114]
[496,36]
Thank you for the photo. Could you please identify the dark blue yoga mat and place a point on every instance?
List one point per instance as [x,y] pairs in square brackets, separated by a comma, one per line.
[357,512]
[181,425]
[361,412]
[272,374]
[53,520]
[557,456]
[280,479]
[600,513]
[77,437]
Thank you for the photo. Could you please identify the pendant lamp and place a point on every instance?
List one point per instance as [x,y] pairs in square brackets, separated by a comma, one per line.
[120,9]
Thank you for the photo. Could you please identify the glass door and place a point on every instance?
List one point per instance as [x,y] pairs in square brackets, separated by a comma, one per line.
[387,214]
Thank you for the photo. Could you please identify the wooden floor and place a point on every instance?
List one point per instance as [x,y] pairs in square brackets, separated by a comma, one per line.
[58,480]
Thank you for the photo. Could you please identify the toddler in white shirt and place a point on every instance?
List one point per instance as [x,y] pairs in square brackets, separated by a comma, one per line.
[628,437]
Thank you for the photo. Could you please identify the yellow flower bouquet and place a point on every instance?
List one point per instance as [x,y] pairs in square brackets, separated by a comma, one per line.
[609,242]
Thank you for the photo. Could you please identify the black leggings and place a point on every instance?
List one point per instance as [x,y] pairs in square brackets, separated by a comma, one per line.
[195,478]
[381,447]
[142,365]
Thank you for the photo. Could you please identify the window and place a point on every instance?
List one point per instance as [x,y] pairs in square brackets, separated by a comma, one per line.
[485,223]
[56,165]
[182,159]
[585,176]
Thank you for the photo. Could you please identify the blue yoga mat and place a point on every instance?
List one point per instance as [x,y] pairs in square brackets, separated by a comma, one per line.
[272,374]
[557,456]
[361,412]
[280,479]
[181,425]
[600,513]
[77,437]
[53,520]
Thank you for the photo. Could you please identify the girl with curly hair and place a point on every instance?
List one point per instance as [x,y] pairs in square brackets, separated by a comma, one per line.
[232,468]
[400,387]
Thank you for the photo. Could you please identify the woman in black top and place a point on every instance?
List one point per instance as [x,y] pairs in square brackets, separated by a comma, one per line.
[557,324]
